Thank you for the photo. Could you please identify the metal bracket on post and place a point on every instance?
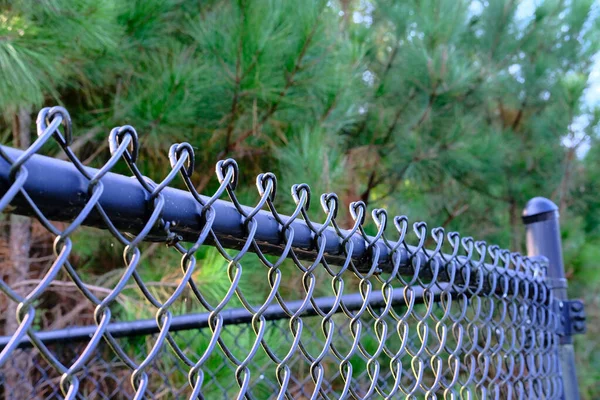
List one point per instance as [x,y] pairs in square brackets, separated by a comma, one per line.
[572,318]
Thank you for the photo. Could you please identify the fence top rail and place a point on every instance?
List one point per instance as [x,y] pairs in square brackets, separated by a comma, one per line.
[60,191]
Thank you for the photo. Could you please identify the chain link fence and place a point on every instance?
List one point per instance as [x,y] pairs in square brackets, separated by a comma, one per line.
[259,304]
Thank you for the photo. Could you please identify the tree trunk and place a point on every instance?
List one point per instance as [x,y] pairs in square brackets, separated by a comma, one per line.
[17,369]
[516,228]
[566,180]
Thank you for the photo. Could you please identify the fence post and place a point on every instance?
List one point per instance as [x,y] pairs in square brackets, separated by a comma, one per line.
[540,217]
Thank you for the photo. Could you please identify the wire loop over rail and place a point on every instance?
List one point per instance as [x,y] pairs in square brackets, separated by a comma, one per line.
[461,320]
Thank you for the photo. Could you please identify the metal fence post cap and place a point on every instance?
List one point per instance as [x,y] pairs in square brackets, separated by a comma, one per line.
[539,209]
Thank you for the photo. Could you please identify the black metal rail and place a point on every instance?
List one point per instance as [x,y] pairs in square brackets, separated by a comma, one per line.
[126,203]
[234,316]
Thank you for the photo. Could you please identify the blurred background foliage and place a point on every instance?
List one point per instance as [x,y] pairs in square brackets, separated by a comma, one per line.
[455,112]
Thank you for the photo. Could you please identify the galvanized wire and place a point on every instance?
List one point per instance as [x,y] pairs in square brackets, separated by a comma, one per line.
[478,322]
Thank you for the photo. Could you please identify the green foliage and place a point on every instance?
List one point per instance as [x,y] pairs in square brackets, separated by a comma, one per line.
[316,157]
[455,112]
[48,46]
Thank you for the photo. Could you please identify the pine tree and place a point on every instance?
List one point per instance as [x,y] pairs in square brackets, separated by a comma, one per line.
[454,112]
[470,103]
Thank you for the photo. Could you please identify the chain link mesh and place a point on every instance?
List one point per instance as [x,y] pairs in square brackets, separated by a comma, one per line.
[462,320]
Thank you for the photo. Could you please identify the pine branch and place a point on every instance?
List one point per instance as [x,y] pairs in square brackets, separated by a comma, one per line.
[519,116]
[386,70]
[289,82]
[234,103]
[330,108]
[504,18]
[271,110]
[388,65]
[563,186]
[399,112]
[250,67]
[451,216]
[428,109]
[515,224]
[372,184]
[397,178]
[478,188]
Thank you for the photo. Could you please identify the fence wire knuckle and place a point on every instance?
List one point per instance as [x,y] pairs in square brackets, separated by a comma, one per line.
[404,313]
